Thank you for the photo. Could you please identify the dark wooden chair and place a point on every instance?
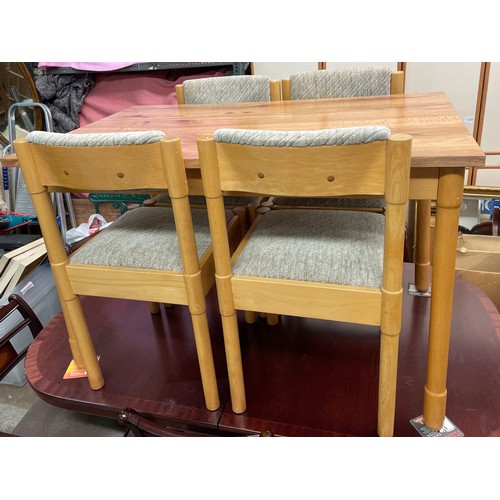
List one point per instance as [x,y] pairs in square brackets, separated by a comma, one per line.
[9,357]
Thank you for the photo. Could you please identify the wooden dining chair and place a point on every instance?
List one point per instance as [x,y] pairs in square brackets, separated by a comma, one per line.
[326,264]
[158,255]
[340,83]
[221,90]
[9,356]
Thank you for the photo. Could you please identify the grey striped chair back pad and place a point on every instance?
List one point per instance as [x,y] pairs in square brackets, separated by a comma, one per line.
[227,89]
[303,138]
[94,140]
[322,246]
[144,238]
[329,84]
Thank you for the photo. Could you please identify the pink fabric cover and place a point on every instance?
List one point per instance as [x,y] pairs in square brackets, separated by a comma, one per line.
[117,91]
[86,66]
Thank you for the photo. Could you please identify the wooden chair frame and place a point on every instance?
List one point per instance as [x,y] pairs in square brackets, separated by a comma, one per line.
[252,206]
[114,169]
[396,87]
[311,171]
[9,357]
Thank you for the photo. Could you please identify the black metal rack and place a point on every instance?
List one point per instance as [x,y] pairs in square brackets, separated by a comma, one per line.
[239,68]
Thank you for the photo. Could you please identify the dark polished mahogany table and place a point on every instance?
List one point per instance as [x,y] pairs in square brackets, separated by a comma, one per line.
[303,377]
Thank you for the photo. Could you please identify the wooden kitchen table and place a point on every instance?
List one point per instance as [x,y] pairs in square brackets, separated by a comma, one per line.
[442,149]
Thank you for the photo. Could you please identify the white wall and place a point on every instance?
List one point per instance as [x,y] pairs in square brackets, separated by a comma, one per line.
[342,65]
[459,81]
[490,139]
[279,70]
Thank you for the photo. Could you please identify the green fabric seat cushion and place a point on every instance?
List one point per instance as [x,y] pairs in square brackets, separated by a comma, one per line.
[324,246]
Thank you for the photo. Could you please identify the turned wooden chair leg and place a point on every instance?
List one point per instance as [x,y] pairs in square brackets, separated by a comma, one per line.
[423,246]
[272,319]
[389,348]
[73,344]
[234,364]
[77,321]
[250,317]
[205,360]
[154,307]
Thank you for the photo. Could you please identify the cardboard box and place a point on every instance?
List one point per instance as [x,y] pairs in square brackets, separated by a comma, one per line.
[478,260]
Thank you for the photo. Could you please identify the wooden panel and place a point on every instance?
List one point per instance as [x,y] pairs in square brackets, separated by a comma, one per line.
[95,169]
[325,171]
[322,301]
[423,184]
[147,285]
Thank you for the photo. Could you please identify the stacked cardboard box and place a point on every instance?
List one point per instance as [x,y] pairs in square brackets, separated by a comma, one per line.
[478,260]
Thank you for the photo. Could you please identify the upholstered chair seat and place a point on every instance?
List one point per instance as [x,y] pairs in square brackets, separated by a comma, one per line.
[144,238]
[297,245]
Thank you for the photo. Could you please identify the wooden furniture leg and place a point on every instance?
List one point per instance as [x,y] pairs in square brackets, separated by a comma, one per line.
[422,248]
[80,340]
[73,344]
[450,191]
[392,295]
[82,334]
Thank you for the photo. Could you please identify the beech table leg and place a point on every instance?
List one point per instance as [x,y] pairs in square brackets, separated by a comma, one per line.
[423,244]
[450,191]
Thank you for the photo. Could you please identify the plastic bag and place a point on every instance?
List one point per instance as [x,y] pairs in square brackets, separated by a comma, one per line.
[95,223]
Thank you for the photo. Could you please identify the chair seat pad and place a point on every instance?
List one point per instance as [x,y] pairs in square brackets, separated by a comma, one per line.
[323,246]
[143,238]
[331,202]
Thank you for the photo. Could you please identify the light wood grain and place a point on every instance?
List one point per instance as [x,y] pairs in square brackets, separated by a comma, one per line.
[440,141]
[447,214]
[118,169]
[279,170]
[440,138]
